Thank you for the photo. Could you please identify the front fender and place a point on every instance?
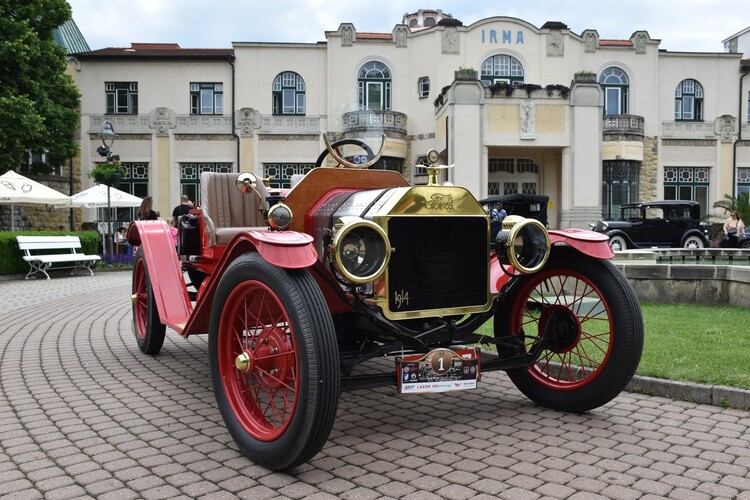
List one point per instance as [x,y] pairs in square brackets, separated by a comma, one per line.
[287,249]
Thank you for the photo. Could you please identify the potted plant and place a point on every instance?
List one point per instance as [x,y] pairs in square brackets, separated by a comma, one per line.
[584,76]
[108,173]
[465,73]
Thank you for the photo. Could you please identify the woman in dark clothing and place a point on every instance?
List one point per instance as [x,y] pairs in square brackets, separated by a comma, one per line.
[145,211]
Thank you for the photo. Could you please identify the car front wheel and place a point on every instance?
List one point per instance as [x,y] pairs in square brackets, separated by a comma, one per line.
[693,242]
[617,243]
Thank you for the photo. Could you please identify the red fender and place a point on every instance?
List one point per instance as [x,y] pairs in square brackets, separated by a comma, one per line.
[587,242]
[170,293]
[286,249]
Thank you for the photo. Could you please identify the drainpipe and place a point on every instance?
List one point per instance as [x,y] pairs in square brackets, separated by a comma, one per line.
[745,70]
[234,125]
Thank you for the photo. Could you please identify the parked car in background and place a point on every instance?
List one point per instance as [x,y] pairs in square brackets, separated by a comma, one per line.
[664,224]
[531,206]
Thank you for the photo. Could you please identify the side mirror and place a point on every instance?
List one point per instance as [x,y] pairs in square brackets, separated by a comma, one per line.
[247,182]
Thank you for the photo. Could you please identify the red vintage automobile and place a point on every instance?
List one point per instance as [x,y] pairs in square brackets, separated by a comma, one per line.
[299,291]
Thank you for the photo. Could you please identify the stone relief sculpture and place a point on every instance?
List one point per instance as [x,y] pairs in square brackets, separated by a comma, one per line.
[346,36]
[590,42]
[528,119]
[248,120]
[450,41]
[555,44]
[640,44]
[161,120]
[401,37]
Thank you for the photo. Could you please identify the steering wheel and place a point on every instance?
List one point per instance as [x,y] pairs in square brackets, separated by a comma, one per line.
[357,160]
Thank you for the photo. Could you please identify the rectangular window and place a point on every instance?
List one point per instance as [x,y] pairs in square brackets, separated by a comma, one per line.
[121,98]
[206,98]
[280,174]
[687,183]
[288,101]
[374,96]
[612,101]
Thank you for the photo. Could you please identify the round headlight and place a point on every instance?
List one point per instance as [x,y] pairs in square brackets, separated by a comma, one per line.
[360,250]
[279,216]
[523,244]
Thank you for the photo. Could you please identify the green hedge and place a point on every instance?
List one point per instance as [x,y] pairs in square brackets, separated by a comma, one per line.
[11,258]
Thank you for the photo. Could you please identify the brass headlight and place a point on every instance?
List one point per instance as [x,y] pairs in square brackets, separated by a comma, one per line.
[360,249]
[523,243]
[280,216]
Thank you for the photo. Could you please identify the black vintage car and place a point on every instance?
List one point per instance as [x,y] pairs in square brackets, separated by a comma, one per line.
[665,224]
[531,206]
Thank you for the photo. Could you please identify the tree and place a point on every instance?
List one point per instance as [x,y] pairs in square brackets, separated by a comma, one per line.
[38,100]
[741,203]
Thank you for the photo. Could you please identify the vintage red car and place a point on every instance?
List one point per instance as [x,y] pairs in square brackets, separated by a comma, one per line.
[354,264]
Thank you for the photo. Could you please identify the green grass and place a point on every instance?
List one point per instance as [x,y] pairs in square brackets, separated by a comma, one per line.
[693,343]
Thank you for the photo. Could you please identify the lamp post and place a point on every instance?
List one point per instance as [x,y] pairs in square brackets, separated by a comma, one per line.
[108,139]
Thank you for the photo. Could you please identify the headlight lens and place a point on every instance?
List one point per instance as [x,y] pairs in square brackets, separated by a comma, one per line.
[360,250]
[523,244]
[279,216]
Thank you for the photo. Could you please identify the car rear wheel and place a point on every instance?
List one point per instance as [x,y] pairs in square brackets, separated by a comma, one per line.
[274,362]
[617,243]
[594,336]
[693,242]
[148,329]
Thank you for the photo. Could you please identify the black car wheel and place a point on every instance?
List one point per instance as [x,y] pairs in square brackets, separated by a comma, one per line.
[693,242]
[617,243]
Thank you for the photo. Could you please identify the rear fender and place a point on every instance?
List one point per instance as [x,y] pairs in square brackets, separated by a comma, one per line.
[587,242]
[285,249]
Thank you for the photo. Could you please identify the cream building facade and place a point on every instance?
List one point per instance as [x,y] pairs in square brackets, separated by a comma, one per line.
[590,122]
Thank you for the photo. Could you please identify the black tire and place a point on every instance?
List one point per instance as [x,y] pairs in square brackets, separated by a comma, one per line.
[346,142]
[693,241]
[618,243]
[148,329]
[598,331]
[280,404]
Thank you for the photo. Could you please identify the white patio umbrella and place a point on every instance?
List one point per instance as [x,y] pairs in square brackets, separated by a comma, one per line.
[15,189]
[96,197]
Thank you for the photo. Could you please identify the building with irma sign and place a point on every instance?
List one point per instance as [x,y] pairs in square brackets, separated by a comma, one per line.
[591,122]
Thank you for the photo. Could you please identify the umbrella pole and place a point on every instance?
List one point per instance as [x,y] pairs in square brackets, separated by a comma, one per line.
[109,227]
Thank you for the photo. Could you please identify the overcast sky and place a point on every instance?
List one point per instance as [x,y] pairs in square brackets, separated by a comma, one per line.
[682,25]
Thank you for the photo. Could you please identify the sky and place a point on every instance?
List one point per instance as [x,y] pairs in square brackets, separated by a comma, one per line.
[681,25]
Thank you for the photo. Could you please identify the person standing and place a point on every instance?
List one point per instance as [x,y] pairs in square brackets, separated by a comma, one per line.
[145,211]
[182,209]
[734,230]
[498,213]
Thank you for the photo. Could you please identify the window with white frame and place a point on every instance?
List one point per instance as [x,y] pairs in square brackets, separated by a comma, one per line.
[374,87]
[121,98]
[501,68]
[423,86]
[206,98]
[288,94]
[615,85]
[688,101]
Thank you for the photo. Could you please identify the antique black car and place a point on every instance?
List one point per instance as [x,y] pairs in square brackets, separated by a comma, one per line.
[665,224]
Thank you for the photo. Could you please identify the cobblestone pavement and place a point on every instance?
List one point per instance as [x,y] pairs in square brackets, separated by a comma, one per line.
[84,414]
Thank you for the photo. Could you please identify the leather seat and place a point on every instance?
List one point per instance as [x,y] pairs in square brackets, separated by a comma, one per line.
[227,210]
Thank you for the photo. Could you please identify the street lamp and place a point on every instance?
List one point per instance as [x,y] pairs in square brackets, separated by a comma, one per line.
[108,139]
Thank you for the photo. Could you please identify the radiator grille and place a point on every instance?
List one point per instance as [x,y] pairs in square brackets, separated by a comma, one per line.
[438,263]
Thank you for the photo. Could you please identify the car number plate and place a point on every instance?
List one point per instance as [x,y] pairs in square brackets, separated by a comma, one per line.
[439,370]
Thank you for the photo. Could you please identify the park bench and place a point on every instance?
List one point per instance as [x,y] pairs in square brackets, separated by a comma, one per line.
[41,262]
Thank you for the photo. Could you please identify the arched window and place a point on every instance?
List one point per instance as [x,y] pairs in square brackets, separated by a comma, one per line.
[688,101]
[615,84]
[288,94]
[374,87]
[505,69]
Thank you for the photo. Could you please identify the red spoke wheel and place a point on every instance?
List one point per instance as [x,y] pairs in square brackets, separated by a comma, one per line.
[274,362]
[148,329]
[594,331]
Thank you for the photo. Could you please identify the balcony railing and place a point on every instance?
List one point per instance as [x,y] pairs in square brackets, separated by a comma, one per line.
[623,125]
[361,121]
[688,130]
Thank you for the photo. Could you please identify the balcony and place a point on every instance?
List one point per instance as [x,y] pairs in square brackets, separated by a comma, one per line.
[366,120]
[618,125]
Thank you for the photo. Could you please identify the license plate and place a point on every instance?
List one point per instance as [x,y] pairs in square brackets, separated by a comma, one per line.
[439,370]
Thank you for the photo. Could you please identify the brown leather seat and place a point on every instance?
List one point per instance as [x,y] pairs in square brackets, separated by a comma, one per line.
[227,210]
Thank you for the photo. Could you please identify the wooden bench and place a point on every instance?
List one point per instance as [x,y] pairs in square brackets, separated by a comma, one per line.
[41,262]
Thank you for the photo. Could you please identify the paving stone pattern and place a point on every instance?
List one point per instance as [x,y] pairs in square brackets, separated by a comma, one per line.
[83,414]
